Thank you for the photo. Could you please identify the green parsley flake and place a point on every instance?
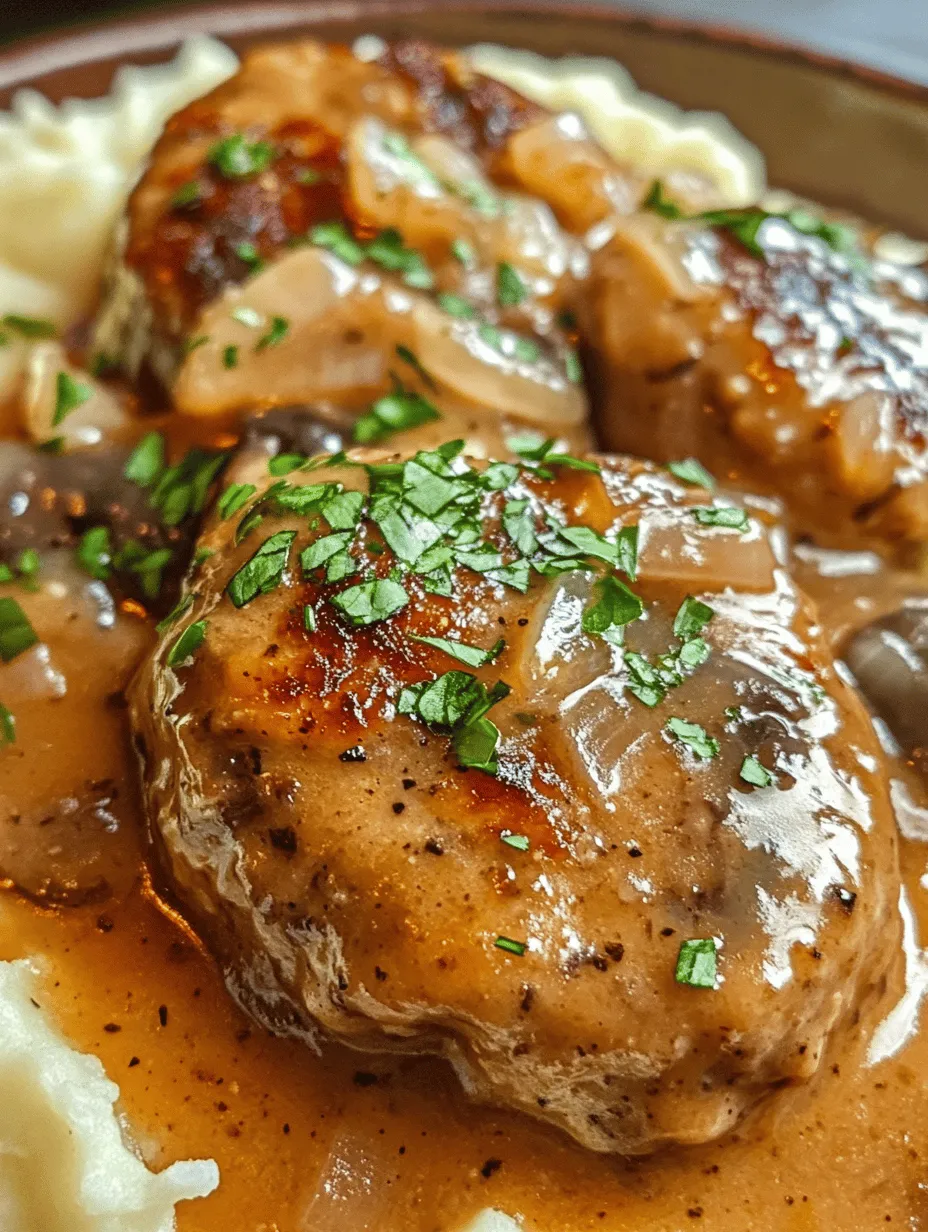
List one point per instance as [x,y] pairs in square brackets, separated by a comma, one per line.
[337,239]
[510,289]
[394,412]
[323,550]
[753,772]
[278,331]
[475,746]
[183,605]
[544,454]
[457,306]
[730,518]
[617,607]
[519,841]
[409,357]
[464,251]
[69,395]
[248,253]
[472,656]
[309,618]
[95,553]
[387,250]
[29,327]
[573,367]
[264,571]
[697,963]
[183,489]
[480,197]
[658,203]
[696,738]
[188,194]
[16,631]
[234,498]
[370,602]
[7,726]
[692,618]
[185,648]
[692,472]
[230,356]
[284,463]
[199,340]
[510,946]
[236,158]
[146,461]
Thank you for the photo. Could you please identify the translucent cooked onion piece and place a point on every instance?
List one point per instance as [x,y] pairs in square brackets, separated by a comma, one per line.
[63,403]
[338,330]
[438,193]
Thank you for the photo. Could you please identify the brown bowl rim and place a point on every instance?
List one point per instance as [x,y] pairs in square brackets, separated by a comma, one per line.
[24,60]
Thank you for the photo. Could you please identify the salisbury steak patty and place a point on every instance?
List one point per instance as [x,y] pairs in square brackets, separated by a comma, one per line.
[629,891]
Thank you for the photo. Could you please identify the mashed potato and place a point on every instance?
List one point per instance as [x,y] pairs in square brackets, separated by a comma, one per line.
[64,1163]
[65,172]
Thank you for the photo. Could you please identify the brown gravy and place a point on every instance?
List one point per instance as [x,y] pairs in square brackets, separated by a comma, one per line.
[349,1140]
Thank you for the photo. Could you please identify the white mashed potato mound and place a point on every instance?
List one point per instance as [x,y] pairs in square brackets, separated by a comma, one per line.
[634,127]
[64,1162]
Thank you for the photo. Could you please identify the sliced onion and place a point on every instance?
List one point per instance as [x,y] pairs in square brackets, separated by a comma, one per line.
[99,419]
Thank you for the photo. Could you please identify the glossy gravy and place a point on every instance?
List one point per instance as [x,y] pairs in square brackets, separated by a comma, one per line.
[350,1140]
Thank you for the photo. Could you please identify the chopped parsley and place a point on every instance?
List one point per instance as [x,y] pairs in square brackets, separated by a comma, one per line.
[183,605]
[457,702]
[753,772]
[69,395]
[95,553]
[237,158]
[275,335]
[7,726]
[617,606]
[410,358]
[263,571]
[146,461]
[510,289]
[338,240]
[29,327]
[247,253]
[697,963]
[370,602]
[472,656]
[185,648]
[16,631]
[544,455]
[182,489]
[692,618]
[692,472]
[510,946]
[745,224]
[519,841]
[696,738]
[456,306]
[188,194]
[230,356]
[728,517]
[464,251]
[235,496]
[388,251]
[394,412]
[309,618]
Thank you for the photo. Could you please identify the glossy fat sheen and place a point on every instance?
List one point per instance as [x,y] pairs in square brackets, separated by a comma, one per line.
[362,898]
[792,371]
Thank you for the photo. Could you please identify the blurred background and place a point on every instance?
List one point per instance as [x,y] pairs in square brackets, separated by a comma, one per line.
[891,35]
